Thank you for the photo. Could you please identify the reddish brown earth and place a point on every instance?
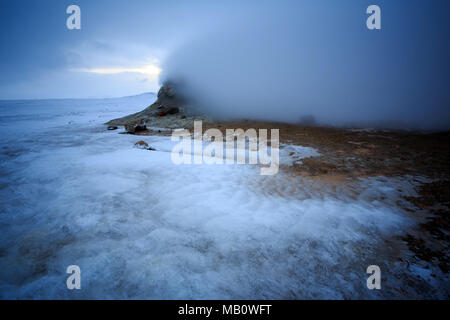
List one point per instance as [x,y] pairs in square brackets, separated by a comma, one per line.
[351,153]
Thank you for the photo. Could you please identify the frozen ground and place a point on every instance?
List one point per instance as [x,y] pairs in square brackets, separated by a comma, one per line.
[139,226]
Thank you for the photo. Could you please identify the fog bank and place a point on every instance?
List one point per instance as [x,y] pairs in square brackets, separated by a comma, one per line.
[319,59]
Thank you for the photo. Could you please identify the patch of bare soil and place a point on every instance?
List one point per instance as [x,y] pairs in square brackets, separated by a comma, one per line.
[355,153]
[359,153]
[431,241]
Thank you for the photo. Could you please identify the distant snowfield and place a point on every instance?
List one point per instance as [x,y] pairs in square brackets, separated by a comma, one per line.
[73,193]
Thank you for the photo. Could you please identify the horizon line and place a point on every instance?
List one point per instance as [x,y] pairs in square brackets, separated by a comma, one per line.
[91,98]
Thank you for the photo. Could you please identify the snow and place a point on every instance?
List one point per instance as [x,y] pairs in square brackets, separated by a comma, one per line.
[139,226]
[292,154]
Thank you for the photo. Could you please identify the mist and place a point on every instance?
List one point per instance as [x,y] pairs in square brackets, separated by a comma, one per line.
[317,60]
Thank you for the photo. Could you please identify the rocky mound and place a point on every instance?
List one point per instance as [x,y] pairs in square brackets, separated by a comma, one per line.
[169,111]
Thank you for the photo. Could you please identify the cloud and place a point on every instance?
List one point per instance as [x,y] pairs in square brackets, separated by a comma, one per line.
[150,71]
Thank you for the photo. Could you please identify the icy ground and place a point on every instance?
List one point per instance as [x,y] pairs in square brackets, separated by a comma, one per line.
[73,193]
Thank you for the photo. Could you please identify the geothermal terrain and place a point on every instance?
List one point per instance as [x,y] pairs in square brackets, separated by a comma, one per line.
[75,192]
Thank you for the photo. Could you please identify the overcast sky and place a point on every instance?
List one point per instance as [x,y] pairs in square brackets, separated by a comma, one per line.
[122,45]
[117,51]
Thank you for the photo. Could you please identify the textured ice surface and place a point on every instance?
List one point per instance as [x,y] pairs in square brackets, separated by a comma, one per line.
[139,226]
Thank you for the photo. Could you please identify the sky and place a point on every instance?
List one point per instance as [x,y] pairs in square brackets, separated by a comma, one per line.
[321,49]
[117,52]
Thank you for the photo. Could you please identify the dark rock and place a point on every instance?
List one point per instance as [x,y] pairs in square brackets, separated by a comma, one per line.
[135,127]
[166,91]
[139,127]
[143,145]
[130,128]
[173,110]
[112,128]
[163,111]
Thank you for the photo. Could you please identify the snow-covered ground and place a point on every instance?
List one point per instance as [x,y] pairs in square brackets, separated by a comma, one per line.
[73,193]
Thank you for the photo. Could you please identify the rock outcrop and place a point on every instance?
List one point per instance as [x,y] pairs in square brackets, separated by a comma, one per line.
[135,127]
[168,101]
[168,111]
